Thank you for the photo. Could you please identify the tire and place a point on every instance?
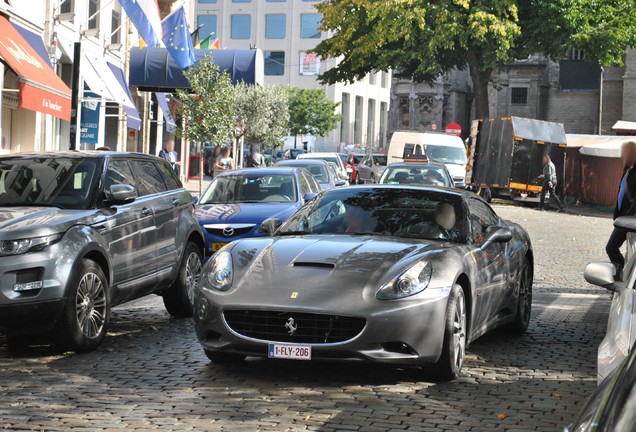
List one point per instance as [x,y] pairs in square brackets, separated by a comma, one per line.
[524,303]
[486,194]
[178,299]
[223,357]
[372,179]
[86,316]
[450,364]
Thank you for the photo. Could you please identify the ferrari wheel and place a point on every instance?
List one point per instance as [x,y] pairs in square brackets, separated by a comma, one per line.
[454,349]
[224,358]
[524,302]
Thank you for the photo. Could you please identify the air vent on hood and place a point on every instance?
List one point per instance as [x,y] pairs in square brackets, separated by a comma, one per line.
[325,265]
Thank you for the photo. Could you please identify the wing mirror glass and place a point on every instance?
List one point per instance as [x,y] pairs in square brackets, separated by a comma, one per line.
[497,235]
[269,226]
[341,183]
[601,274]
[121,194]
[309,196]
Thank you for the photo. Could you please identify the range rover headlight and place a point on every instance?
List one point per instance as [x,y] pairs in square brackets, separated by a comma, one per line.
[219,271]
[411,282]
[21,246]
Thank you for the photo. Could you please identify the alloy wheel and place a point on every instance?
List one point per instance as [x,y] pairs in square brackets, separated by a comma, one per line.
[525,295]
[91,305]
[459,331]
[193,270]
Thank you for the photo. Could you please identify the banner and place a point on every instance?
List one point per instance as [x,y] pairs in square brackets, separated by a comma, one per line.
[309,63]
[89,124]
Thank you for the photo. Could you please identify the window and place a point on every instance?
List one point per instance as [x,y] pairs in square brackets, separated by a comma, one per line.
[93,14]
[207,1]
[118,172]
[346,114]
[66,7]
[274,63]
[372,77]
[276,1]
[357,127]
[385,79]
[383,115]
[241,27]
[207,24]
[371,122]
[115,30]
[169,176]
[275,26]
[481,218]
[519,95]
[310,26]
[576,54]
[149,177]
[241,1]
[405,111]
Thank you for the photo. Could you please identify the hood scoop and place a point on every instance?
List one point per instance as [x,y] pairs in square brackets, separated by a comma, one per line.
[314,264]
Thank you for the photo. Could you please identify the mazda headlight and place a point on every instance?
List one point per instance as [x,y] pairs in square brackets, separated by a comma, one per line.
[220,274]
[411,282]
[21,246]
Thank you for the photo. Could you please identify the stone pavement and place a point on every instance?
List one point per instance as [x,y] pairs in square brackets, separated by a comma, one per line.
[151,373]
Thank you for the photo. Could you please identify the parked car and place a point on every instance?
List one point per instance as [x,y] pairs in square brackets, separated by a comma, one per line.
[329,157]
[415,173]
[82,232]
[293,153]
[237,202]
[437,146]
[351,166]
[371,167]
[612,407]
[621,326]
[333,169]
[390,274]
[319,169]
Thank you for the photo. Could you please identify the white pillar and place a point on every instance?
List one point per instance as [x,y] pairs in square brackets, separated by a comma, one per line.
[1,93]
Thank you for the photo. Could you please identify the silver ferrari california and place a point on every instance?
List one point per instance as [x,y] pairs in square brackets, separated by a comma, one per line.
[392,274]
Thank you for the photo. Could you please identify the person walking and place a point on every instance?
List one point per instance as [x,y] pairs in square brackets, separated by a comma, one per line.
[223,162]
[549,182]
[255,159]
[212,162]
[168,153]
[625,205]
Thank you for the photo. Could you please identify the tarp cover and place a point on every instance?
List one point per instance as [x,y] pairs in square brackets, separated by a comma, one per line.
[153,69]
[538,130]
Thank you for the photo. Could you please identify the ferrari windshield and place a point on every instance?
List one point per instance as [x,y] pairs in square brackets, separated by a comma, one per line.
[387,212]
[52,182]
[251,188]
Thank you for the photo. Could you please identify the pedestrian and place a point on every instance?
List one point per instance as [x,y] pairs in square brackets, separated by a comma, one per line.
[255,159]
[215,154]
[549,182]
[223,162]
[625,206]
[168,153]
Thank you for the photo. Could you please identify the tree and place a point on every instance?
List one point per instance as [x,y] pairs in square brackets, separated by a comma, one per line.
[423,39]
[262,113]
[311,112]
[208,106]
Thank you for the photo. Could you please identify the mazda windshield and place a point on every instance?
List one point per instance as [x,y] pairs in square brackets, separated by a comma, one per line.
[251,188]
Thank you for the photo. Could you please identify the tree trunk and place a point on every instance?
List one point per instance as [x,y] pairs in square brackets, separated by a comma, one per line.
[481,79]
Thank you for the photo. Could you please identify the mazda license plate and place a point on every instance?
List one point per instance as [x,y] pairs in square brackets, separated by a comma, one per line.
[217,246]
[292,352]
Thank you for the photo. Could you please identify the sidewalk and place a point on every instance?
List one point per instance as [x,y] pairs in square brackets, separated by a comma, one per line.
[192,185]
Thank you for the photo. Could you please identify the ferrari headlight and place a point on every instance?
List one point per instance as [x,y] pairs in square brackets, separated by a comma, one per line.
[21,246]
[220,273]
[411,282]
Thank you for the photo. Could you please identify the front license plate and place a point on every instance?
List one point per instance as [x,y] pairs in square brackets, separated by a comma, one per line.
[217,246]
[292,352]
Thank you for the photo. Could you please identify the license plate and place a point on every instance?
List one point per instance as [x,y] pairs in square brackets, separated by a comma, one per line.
[217,246]
[292,352]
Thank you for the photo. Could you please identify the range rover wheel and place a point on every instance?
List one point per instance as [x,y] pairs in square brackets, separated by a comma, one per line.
[223,357]
[450,363]
[84,321]
[178,299]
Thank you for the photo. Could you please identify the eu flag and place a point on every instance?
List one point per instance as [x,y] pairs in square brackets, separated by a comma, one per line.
[176,36]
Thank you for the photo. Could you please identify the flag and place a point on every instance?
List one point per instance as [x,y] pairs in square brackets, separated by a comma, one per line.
[177,38]
[144,14]
[207,43]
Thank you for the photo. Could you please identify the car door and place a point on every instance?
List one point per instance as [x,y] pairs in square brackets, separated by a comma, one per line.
[364,170]
[492,276]
[161,201]
[129,231]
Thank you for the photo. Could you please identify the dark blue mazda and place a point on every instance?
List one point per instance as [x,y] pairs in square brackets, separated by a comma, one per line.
[237,202]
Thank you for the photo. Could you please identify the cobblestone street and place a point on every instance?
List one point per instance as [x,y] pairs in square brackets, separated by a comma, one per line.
[152,374]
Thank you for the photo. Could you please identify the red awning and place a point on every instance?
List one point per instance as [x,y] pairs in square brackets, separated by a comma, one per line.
[40,88]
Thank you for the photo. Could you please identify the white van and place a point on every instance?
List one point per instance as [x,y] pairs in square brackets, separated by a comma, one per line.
[437,146]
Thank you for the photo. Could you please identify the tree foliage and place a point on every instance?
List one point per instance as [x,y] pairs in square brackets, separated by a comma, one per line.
[208,106]
[262,113]
[311,112]
[423,39]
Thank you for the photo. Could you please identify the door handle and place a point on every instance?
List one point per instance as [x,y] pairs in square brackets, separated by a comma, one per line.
[176,202]
[146,211]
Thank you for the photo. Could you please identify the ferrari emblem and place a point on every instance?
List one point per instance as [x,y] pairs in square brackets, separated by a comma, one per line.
[294,295]
[291,326]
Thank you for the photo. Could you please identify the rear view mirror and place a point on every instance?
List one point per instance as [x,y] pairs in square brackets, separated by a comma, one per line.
[601,274]
[269,226]
[497,235]
[121,193]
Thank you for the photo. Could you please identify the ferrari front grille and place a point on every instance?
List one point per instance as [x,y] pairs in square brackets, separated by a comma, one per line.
[292,327]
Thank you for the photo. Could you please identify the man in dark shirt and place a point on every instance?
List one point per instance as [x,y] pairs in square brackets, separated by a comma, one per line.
[625,205]
[255,159]
[549,177]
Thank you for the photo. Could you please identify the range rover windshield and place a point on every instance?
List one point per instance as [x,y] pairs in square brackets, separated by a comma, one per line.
[47,182]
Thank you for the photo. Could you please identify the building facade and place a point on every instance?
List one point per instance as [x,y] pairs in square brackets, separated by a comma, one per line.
[286,30]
